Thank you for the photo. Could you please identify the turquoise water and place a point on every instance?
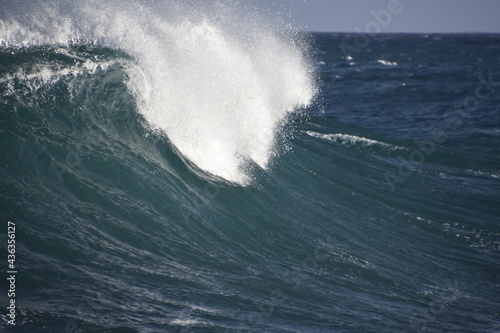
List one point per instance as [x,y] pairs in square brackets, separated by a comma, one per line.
[219,188]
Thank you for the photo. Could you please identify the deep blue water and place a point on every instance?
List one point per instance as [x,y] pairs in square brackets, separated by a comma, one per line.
[377,212]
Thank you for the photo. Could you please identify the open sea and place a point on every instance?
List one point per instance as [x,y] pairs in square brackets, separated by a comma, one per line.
[182,168]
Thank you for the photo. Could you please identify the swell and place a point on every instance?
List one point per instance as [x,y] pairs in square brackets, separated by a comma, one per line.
[116,229]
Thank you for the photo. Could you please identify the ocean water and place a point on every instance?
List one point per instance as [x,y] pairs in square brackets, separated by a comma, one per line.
[207,169]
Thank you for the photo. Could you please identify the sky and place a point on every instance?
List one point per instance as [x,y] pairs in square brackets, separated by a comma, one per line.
[426,16]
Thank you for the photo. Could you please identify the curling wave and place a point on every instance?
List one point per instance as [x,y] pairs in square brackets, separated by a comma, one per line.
[219,86]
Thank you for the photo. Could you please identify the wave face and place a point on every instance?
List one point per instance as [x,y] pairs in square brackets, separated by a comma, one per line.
[217,82]
[159,181]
